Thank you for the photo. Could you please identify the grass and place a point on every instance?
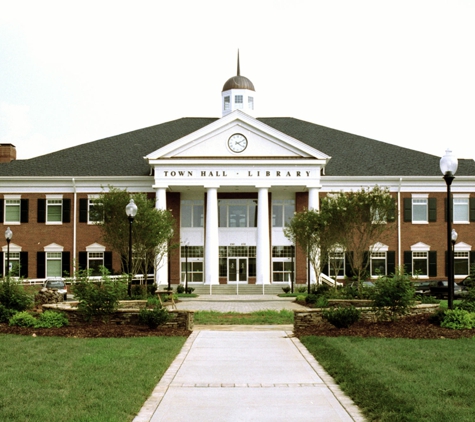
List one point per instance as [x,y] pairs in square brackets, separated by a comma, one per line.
[62,379]
[268,317]
[402,379]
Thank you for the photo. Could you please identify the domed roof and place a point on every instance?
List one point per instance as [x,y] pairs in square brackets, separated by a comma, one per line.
[238,82]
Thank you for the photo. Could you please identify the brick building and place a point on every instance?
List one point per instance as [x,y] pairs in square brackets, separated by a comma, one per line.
[231,183]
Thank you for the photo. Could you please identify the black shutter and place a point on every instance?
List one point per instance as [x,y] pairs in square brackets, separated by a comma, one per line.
[66,264]
[391,262]
[2,263]
[348,270]
[432,263]
[408,209]
[83,208]
[83,260]
[472,260]
[472,210]
[432,210]
[366,263]
[2,208]
[108,261]
[24,208]
[408,262]
[24,264]
[66,210]
[41,218]
[40,264]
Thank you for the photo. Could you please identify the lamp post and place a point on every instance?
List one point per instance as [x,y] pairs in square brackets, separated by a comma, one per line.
[448,167]
[453,236]
[8,237]
[186,268]
[131,211]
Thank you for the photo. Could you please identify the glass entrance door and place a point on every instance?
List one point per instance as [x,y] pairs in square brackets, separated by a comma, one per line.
[237,270]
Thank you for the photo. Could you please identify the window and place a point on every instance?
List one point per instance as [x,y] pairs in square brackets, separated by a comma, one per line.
[378,264]
[192,213]
[419,210]
[12,210]
[239,101]
[54,210]
[92,212]
[420,265]
[461,210]
[250,102]
[13,259]
[227,102]
[336,264]
[282,263]
[461,263]
[237,213]
[226,252]
[53,264]
[95,260]
[282,212]
[193,255]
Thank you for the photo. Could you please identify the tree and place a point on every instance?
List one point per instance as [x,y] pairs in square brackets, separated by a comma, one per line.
[151,229]
[360,219]
[346,221]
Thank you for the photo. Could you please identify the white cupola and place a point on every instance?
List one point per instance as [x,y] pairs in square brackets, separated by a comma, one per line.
[238,94]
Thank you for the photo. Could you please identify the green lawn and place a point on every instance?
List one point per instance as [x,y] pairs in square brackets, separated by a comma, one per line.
[65,379]
[402,379]
[268,317]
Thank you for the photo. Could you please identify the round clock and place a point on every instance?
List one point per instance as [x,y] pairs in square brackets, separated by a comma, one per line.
[237,143]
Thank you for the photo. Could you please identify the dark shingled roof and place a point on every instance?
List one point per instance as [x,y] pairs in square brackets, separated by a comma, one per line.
[122,155]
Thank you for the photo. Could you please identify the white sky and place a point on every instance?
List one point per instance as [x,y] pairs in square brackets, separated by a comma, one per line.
[400,71]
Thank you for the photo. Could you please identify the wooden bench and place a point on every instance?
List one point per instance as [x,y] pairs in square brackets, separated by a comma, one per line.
[165,293]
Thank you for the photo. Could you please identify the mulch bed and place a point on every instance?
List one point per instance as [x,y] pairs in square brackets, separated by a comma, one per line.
[96,330]
[417,326]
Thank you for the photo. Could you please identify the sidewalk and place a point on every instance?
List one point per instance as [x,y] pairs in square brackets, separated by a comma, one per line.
[247,376]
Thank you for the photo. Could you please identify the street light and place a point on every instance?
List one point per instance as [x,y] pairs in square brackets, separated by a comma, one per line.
[448,167]
[131,211]
[8,237]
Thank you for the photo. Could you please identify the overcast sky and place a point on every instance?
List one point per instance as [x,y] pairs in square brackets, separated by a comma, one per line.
[401,72]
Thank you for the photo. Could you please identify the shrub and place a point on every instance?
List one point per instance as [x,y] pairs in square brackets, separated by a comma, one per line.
[23,319]
[99,299]
[13,295]
[393,296]
[300,298]
[437,317]
[301,289]
[153,317]
[286,289]
[5,313]
[458,319]
[180,289]
[153,301]
[320,289]
[50,319]
[311,298]
[190,290]
[322,302]
[342,317]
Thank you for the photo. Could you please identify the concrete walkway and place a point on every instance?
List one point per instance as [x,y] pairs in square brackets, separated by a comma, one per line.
[245,373]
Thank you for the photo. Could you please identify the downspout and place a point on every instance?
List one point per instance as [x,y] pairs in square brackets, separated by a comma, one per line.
[74,224]
[399,224]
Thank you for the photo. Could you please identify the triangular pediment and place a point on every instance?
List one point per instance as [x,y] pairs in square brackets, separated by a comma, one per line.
[212,141]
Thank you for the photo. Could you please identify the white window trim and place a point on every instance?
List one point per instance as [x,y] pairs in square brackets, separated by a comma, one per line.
[15,198]
[420,196]
[420,247]
[53,197]
[462,196]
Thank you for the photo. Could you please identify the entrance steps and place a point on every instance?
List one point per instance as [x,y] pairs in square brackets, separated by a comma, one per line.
[242,289]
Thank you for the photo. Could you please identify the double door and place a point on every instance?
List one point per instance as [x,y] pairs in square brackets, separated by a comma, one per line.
[237,270]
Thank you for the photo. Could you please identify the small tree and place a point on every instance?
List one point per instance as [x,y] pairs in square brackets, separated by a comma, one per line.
[151,229]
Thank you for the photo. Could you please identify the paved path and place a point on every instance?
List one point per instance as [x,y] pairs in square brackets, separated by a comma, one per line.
[245,373]
[246,376]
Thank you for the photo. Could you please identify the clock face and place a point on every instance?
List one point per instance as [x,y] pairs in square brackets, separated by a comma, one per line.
[237,143]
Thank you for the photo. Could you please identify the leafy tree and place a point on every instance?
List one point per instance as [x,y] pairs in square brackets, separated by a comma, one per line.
[359,220]
[151,229]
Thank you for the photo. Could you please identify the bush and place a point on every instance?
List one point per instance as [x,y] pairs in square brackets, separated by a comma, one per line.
[321,289]
[322,302]
[311,298]
[286,289]
[342,317]
[23,319]
[458,319]
[301,289]
[13,295]
[300,298]
[99,299]
[6,314]
[180,289]
[437,317]
[393,296]
[50,319]
[153,317]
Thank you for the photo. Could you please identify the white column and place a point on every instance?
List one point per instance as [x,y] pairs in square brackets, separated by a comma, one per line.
[161,204]
[263,237]
[211,239]
[313,203]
